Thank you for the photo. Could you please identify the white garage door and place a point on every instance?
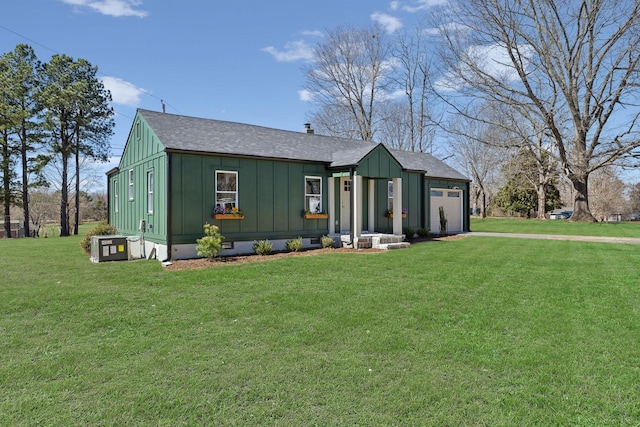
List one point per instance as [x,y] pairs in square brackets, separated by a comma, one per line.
[451,201]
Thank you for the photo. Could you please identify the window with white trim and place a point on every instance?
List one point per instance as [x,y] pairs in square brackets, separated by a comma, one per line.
[131,189]
[226,190]
[150,191]
[313,194]
[116,197]
[389,195]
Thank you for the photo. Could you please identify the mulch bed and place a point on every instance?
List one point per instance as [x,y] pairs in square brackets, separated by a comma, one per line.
[189,264]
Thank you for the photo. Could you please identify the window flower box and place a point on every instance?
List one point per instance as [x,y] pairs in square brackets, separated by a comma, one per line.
[390,213]
[229,213]
[228,216]
[316,216]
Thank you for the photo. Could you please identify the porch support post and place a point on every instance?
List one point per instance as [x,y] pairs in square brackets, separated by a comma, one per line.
[356,184]
[352,208]
[332,205]
[372,206]
[397,206]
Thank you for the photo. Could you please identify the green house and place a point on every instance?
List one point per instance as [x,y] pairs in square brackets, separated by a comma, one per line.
[178,173]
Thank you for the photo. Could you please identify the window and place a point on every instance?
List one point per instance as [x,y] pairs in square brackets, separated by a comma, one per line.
[150,192]
[347,185]
[437,193]
[131,193]
[453,194]
[313,194]
[226,190]
[390,195]
[116,198]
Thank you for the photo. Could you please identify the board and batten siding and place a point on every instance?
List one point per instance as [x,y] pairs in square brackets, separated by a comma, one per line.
[270,195]
[143,153]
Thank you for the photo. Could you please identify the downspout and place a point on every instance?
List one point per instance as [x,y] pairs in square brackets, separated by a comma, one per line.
[169,232]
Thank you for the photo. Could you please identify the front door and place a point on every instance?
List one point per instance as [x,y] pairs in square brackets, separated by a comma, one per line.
[345,204]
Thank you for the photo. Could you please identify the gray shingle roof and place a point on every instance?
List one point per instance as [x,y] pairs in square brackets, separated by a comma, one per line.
[183,133]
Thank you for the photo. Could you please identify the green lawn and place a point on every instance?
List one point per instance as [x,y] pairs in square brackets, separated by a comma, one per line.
[532,226]
[469,332]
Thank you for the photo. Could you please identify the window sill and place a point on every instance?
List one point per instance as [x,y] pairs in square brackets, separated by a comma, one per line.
[316,216]
[227,216]
[391,215]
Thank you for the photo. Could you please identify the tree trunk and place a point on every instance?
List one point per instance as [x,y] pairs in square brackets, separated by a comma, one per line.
[542,201]
[64,198]
[484,204]
[581,211]
[77,198]
[25,182]
[6,187]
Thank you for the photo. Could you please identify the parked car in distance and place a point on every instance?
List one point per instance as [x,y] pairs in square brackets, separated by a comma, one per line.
[560,215]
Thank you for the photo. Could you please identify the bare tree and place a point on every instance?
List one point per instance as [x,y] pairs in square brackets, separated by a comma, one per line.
[346,79]
[607,193]
[480,159]
[413,73]
[568,64]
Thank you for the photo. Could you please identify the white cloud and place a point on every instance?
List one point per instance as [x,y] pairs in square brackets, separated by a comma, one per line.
[293,51]
[313,33]
[305,95]
[115,8]
[394,5]
[122,92]
[423,5]
[390,23]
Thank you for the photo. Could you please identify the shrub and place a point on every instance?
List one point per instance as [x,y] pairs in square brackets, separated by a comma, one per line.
[327,242]
[210,245]
[423,232]
[101,229]
[262,247]
[294,245]
[409,232]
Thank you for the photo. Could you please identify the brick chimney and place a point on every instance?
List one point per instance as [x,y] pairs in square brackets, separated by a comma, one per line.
[307,128]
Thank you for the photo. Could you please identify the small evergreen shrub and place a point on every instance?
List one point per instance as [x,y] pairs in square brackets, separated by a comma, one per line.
[101,229]
[294,245]
[210,245]
[423,232]
[327,242]
[409,232]
[262,247]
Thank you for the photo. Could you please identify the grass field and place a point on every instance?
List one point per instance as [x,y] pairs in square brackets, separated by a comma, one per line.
[517,225]
[469,332]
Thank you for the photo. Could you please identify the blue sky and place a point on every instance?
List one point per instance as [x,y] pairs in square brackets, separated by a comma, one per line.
[228,60]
